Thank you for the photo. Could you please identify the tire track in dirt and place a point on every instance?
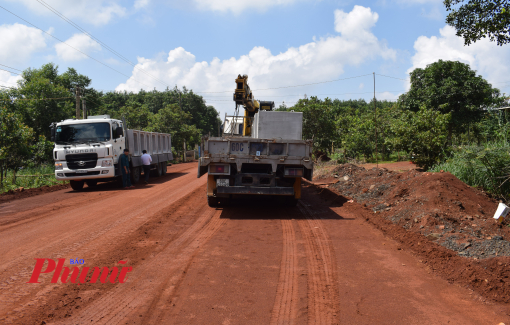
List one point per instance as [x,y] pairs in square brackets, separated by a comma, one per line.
[155,282]
[322,280]
[285,306]
[86,239]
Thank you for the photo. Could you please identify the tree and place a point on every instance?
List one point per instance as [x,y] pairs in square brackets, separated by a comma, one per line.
[173,120]
[451,87]
[137,116]
[15,141]
[318,122]
[43,96]
[423,134]
[478,19]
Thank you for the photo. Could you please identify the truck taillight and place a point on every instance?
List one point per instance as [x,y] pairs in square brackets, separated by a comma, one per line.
[293,172]
[219,169]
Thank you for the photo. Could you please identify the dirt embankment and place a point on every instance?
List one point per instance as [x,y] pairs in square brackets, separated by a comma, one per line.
[438,217]
[22,193]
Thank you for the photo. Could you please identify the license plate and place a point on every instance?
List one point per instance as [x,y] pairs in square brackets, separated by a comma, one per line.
[81,171]
[222,182]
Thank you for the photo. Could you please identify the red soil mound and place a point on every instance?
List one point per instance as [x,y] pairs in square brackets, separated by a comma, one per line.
[445,222]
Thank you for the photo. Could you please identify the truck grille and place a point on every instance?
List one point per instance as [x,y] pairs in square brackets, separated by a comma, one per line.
[82,161]
[81,174]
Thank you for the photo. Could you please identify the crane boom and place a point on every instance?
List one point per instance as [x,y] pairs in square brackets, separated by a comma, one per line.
[243,96]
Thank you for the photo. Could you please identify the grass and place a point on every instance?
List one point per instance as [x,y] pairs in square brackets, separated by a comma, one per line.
[484,166]
[30,182]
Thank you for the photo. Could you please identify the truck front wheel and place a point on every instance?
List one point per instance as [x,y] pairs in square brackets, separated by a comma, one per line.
[91,183]
[77,185]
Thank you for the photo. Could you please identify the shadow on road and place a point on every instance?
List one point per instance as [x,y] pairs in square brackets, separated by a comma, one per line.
[273,207]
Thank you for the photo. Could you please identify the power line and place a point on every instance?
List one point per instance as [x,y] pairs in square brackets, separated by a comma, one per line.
[73,47]
[310,84]
[392,77]
[11,68]
[97,40]
[10,72]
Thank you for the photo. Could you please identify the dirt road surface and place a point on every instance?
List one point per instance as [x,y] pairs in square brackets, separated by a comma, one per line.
[254,262]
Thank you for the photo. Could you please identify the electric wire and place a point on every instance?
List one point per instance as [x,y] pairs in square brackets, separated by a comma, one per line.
[11,72]
[97,40]
[3,65]
[104,64]
[310,84]
[382,75]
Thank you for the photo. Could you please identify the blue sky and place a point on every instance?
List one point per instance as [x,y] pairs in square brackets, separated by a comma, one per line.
[205,44]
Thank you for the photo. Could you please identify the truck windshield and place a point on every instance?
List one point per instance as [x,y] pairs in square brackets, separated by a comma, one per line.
[90,132]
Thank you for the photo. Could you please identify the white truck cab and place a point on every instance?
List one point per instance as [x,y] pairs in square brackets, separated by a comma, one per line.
[88,150]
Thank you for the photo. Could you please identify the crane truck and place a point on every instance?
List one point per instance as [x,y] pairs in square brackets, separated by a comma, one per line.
[88,150]
[260,153]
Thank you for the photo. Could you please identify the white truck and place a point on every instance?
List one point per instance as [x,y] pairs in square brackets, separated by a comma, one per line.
[88,150]
[271,161]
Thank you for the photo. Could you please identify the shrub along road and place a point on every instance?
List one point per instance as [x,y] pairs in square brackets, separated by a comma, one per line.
[254,262]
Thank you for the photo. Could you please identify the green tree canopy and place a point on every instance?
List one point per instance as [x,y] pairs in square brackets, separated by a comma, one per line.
[423,134]
[318,122]
[478,19]
[173,120]
[451,87]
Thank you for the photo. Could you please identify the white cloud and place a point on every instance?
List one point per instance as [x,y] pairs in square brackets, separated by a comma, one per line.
[387,96]
[8,80]
[361,86]
[490,60]
[322,59]
[139,4]
[95,12]
[79,41]
[237,6]
[19,42]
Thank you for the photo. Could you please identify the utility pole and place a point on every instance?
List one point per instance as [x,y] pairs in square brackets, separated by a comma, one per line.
[184,151]
[84,106]
[77,103]
[375,110]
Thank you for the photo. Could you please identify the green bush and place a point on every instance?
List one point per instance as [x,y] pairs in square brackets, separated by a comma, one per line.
[484,166]
[41,179]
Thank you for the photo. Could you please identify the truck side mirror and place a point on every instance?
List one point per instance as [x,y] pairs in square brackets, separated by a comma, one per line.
[120,132]
[52,138]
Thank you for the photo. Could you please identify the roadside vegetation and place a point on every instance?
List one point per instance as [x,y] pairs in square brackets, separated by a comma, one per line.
[448,120]
[44,96]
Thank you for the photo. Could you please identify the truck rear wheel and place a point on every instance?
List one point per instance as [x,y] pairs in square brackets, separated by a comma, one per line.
[158,170]
[135,175]
[163,168]
[212,201]
[77,185]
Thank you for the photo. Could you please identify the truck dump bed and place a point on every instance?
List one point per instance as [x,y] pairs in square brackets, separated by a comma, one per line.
[158,145]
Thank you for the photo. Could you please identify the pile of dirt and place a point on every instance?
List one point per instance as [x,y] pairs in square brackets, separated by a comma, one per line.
[445,222]
[22,193]
[436,205]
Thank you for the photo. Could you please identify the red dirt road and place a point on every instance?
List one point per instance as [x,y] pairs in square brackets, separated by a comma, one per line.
[254,262]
